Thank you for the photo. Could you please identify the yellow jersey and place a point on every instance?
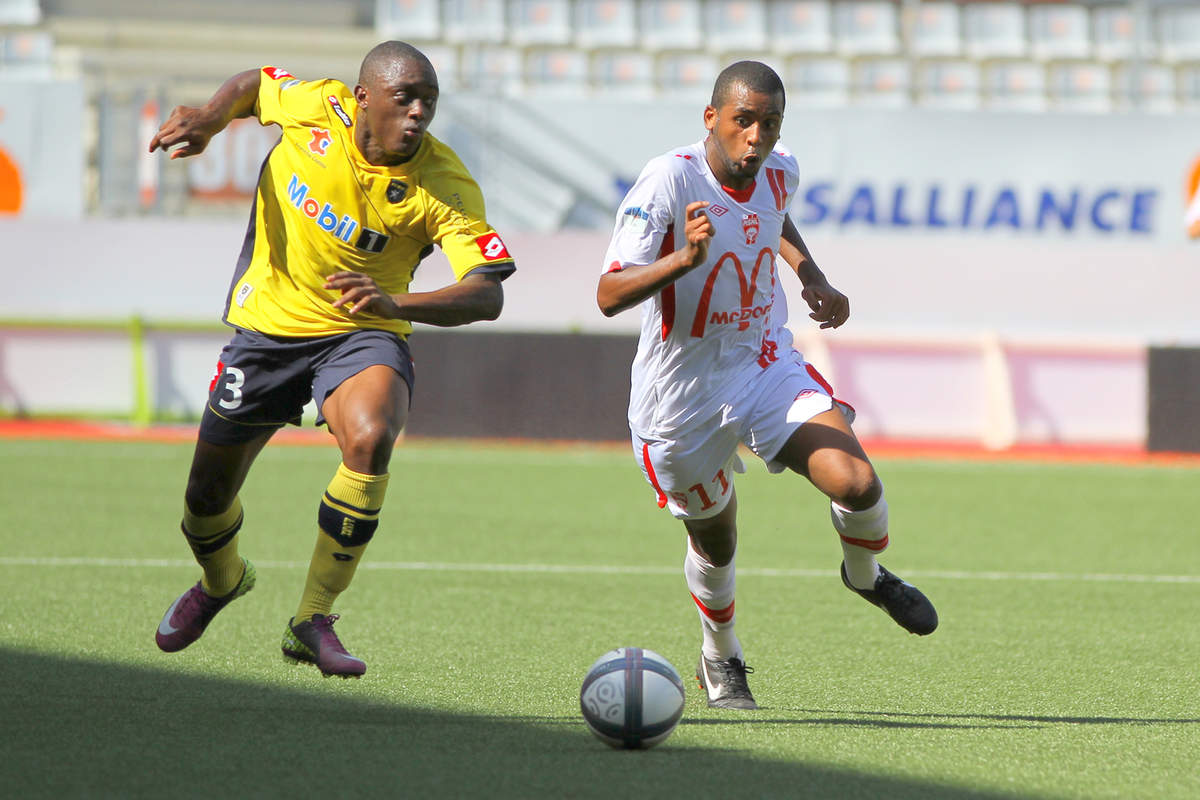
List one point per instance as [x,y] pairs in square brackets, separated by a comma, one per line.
[320,208]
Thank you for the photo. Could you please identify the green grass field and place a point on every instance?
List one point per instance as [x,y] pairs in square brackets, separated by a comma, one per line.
[1067,664]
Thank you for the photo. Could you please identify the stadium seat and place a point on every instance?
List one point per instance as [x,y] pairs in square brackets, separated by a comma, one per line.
[1187,82]
[1179,33]
[881,82]
[1080,86]
[539,22]
[670,25]
[1115,34]
[26,55]
[1059,31]
[558,69]
[624,72]
[737,25]
[866,27]
[800,26]
[474,21]
[491,68]
[605,23]
[1144,87]
[20,12]
[817,81]
[934,29]
[1014,85]
[948,84]
[409,20]
[994,30]
[686,74]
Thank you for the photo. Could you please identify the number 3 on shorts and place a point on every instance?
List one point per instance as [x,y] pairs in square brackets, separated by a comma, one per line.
[234,387]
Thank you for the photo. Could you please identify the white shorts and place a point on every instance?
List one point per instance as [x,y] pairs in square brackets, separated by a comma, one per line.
[692,476]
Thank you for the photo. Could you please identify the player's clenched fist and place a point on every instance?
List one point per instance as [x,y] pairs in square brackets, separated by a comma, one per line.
[698,231]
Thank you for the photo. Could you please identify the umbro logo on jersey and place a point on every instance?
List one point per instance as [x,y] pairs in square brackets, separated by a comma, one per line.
[341,112]
[396,190]
[718,210]
[320,141]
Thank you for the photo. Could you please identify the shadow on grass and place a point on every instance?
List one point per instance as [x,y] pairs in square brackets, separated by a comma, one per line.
[73,727]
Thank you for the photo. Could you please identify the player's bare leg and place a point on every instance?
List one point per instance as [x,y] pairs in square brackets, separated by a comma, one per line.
[212,518]
[826,451]
[365,413]
[709,569]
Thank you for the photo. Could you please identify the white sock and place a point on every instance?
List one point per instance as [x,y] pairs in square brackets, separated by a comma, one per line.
[864,533]
[712,589]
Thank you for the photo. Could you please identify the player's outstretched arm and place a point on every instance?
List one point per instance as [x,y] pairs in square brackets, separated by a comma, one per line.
[829,307]
[627,287]
[194,127]
[478,296]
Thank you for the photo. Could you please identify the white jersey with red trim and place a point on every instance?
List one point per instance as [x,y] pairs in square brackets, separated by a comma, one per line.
[706,334]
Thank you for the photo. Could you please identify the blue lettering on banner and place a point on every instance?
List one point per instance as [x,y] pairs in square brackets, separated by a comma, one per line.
[970,207]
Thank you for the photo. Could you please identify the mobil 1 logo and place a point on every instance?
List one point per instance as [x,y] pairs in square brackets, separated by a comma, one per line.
[371,241]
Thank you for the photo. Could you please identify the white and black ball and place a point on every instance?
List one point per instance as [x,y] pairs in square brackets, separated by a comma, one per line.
[632,698]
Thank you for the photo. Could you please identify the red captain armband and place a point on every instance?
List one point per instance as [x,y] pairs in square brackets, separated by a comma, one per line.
[491,247]
[277,73]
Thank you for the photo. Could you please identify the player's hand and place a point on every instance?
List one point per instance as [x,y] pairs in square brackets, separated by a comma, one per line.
[361,293]
[698,232]
[188,130]
[829,307]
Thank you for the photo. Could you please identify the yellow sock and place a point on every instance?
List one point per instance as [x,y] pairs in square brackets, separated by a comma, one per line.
[214,544]
[348,517]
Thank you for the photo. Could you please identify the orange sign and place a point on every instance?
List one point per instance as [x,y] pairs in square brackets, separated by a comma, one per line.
[1192,200]
[10,184]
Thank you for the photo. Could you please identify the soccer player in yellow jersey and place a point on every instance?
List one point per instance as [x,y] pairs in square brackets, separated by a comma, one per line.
[349,201]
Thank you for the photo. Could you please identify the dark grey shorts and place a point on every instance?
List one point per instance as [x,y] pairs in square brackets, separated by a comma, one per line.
[263,382]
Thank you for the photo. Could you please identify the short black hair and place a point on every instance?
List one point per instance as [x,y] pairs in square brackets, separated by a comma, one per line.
[383,56]
[754,75]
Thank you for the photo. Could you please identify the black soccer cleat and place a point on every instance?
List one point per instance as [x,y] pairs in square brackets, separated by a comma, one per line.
[902,601]
[724,683]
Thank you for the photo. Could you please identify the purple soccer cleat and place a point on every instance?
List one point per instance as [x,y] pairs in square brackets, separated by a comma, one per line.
[191,612]
[315,642]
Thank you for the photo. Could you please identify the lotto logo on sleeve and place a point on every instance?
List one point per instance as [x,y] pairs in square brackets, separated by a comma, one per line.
[277,74]
[492,248]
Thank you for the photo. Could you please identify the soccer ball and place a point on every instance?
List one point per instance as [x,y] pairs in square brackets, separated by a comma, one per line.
[632,698]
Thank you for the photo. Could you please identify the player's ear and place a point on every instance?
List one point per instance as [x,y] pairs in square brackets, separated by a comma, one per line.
[360,94]
[710,118]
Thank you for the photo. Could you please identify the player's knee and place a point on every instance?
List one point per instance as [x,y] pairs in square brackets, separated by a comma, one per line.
[207,498]
[369,444]
[716,542]
[856,486]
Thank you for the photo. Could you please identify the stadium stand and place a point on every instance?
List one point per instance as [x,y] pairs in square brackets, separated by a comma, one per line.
[1083,56]
[648,46]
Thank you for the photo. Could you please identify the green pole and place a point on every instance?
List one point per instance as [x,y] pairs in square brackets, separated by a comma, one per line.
[142,413]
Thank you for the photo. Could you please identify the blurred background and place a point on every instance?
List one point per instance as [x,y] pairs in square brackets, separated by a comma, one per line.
[1007,191]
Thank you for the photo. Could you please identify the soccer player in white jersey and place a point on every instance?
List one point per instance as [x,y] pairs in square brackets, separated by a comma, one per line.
[695,246]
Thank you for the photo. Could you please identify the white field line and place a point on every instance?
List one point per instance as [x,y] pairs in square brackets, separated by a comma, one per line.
[594,569]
